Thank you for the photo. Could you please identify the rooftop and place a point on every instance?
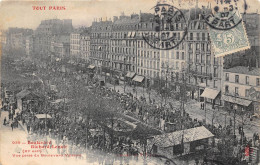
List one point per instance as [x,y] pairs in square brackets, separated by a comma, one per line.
[244,70]
[189,135]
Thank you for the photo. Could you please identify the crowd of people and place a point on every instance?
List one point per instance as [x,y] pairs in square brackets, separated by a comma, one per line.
[82,135]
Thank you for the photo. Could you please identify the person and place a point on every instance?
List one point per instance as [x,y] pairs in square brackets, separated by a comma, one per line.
[12,125]
[5,121]
[28,128]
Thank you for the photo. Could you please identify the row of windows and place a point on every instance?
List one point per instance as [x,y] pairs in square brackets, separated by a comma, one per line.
[123,50]
[99,35]
[227,91]
[202,46]
[74,47]
[199,36]
[121,58]
[75,42]
[123,42]
[148,64]
[75,36]
[148,54]
[246,80]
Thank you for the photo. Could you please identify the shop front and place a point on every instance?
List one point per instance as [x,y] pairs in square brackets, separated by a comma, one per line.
[211,96]
[239,104]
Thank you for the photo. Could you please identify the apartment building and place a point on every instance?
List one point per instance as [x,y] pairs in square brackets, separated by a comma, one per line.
[46,30]
[204,70]
[85,46]
[60,46]
[241,89]
[123,45]
[100,44]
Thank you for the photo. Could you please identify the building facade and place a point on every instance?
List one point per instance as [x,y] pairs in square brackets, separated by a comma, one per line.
[85,46]
[100,44]
[241,89]
[46,30]
[60,46]
[123,44]
[204,70]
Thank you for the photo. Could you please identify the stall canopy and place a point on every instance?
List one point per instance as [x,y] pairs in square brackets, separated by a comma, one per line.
[130,74]
[236,100]
[189,135]
[138,78]
[43,116]
[210,93]
[91,66]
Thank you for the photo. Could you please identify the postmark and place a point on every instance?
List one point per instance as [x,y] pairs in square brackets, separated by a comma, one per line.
[223,16]
[169,27]
[225,42]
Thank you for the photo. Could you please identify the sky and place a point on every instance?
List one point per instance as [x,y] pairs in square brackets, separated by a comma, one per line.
[83,12]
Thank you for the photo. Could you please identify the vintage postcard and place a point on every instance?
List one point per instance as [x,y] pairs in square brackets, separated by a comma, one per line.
[129,82]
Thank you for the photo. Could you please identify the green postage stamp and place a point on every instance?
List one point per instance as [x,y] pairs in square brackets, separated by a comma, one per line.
[229,40]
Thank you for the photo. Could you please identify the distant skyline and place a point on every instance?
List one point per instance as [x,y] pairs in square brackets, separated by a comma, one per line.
[20,14]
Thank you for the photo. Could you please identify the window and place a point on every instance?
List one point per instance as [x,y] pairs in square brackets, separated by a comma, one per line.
[203,47]
[197,46]
[190,46]
[247,80]
[236,78]
[215,83]
[178,55]
[198,36]
[197,57]
[191,36]
[203,36]
[182,56]
[226,89]
[215,72]
[257,82]
[236,91]
[208,47]
[247,92]
[227,76]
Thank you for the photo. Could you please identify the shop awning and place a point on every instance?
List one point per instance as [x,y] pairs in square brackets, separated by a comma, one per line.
[130,74]
[138,78]
[91,66]
[210,93]
[236,100]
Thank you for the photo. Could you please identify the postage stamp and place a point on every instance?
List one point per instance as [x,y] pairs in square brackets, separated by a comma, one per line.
[169,28]
[226,28]
[229,41]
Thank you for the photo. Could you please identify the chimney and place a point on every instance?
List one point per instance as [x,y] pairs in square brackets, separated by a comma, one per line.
[115,18]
